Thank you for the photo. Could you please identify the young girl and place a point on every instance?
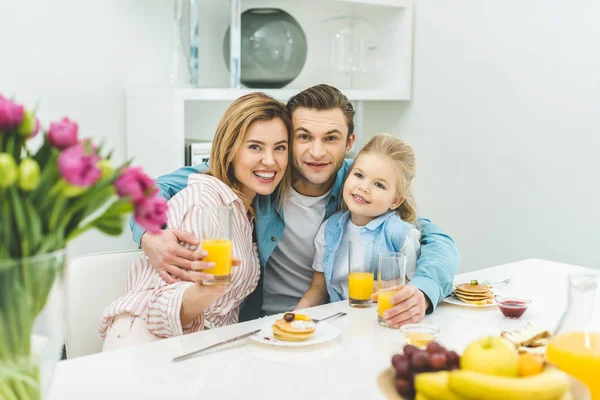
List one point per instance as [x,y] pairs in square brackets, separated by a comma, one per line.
[380,208]
[249,156]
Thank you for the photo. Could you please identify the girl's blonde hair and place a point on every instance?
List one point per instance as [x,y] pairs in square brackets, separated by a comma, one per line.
[231,134]
[403,157]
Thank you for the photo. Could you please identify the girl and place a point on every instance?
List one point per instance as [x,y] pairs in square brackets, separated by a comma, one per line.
[380,208]
[249,156]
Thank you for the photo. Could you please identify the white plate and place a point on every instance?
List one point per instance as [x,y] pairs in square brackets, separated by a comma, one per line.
[458,302]
[324,333]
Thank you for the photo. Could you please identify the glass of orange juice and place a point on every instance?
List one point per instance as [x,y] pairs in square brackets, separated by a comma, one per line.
[360,272]
[391,275]
[215,234]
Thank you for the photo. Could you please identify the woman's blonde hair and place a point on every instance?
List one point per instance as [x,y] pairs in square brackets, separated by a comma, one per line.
[231,134]
[403,157]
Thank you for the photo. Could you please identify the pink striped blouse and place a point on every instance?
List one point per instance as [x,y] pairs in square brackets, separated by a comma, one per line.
[151,298]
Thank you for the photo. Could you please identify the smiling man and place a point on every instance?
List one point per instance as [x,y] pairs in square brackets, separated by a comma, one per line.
[323,133]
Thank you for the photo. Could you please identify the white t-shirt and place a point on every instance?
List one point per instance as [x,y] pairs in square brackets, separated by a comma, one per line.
[339,281]
[289,272]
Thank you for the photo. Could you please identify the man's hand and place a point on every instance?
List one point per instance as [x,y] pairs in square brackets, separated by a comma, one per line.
[410,305]
[171,260]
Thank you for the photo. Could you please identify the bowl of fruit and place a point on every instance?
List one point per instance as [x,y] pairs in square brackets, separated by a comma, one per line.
[489,368]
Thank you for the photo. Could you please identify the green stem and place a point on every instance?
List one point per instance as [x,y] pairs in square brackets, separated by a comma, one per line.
[56,211]
[6,393]
[78,231]
[6,234]
[22,392]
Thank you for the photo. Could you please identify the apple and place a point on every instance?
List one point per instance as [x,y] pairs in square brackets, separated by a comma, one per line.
[492,355]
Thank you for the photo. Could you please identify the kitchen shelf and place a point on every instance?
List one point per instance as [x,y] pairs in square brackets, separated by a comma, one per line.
[159,119]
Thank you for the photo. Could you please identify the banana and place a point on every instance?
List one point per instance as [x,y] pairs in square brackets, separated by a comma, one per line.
[420,396]
[434,385]
[551,384]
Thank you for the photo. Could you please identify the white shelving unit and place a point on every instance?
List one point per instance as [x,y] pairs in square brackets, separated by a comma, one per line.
[159,119]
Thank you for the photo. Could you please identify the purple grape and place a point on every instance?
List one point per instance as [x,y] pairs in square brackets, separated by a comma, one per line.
[409,350]
[402,369]
[397,357]
[453,358]
[438,360]
[403,387]
[433,347]
[420,361]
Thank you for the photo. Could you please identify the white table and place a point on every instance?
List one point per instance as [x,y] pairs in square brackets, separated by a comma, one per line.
[346,368]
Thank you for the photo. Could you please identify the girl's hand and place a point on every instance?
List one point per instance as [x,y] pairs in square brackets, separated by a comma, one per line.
[410,305]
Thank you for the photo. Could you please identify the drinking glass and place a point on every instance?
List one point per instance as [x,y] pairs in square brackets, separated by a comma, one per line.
[215,232]
[360,272]
[575,345]
[391,274]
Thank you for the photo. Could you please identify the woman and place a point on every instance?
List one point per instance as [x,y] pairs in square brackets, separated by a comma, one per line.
[249,156]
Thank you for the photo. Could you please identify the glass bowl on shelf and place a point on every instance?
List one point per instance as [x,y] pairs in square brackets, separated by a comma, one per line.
[273,48]
[354,42]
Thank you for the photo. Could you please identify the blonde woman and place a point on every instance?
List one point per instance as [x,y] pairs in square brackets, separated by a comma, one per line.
[249,157]
[380,207]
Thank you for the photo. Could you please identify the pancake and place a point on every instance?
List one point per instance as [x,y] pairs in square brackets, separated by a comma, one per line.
[472,288]
[474,296]
[474,293]
[296,330]
[477,302]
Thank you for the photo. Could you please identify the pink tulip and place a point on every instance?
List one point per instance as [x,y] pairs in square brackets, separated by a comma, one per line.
[134,183]
[78,165]
[151,213]
[11,114]
[63,134]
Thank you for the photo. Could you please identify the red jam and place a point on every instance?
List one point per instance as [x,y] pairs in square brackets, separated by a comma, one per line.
[513,308]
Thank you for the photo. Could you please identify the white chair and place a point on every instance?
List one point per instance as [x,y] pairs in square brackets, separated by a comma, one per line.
[92,282]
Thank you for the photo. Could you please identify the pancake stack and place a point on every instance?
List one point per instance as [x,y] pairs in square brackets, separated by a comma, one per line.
[294,327]
[474,293]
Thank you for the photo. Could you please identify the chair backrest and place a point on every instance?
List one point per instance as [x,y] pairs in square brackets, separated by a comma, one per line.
[92,282]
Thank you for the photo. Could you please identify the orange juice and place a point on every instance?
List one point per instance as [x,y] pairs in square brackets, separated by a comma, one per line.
[569,353]
[219,251]
[383,303]
[360,285]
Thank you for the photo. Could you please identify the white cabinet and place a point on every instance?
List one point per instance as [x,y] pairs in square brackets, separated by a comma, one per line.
[159,120]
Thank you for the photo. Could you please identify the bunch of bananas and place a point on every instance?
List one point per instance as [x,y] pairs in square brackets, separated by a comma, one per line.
[550,384]
[492,369]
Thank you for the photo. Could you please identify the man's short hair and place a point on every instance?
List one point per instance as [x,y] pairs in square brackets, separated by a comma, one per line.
[324,97]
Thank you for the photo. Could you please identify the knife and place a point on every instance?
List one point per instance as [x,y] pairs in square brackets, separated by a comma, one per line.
[234,339]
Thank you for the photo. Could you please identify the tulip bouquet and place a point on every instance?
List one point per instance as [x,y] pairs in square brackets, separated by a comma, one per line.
[48,198]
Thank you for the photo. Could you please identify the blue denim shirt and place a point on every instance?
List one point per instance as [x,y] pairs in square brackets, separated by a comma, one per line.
[436,265]
[387,231]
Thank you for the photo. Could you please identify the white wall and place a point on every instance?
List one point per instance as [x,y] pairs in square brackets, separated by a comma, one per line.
[505,122]
[75,57]
[505,117]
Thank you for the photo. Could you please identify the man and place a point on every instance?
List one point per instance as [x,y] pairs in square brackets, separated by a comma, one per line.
[323,132]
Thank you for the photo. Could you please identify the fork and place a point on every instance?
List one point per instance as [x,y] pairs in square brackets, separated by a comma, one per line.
[504,281]
[336,315]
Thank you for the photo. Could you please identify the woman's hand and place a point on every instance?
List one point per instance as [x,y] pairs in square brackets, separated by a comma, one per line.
[197,299]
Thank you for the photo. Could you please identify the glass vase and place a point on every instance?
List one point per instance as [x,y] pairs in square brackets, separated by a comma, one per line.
[31,324]
[576,347]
